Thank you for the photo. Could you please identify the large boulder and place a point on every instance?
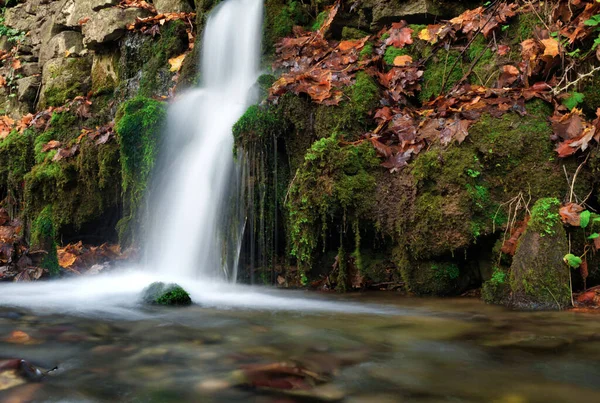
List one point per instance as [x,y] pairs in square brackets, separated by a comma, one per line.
[64,44]
[63,79]
[108,25]
[74,11]
[539,279]
[165,294]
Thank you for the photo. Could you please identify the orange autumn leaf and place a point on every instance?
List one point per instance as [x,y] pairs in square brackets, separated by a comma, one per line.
[551,47]
[402,60]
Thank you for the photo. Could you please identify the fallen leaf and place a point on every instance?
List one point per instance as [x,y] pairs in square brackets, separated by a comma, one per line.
[402,60]
[551,47]
[176,62]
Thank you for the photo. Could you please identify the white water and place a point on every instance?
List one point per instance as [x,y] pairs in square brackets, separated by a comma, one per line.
[186,240]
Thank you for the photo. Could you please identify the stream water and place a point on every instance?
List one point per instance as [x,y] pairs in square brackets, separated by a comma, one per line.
[408,350]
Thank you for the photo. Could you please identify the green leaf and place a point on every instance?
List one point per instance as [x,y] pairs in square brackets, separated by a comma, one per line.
[593,22]
[573,261]
[584,218]
[593,236]
[573,100]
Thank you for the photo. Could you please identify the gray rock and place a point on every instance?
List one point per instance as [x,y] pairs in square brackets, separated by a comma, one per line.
[31,69]
[63,44]
[18,18]
[27,89]
[108,25]
[172,6]
[387,11]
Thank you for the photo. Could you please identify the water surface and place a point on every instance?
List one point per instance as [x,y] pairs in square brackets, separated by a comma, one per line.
[394,349]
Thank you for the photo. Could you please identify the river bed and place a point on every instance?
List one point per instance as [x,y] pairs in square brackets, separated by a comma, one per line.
[400,350]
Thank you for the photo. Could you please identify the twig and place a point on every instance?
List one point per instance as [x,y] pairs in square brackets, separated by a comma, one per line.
[575,177]
[557,90]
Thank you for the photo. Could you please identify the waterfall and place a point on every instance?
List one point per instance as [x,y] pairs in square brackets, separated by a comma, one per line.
[193,221]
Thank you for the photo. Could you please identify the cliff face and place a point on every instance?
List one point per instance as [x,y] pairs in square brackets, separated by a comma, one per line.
[82,98]
[395,150]
[83,91]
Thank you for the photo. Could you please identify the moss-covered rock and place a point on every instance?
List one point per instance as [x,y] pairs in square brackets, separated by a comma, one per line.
[139,125]
[43,237]
[63,79]
[165,294]
[538,276]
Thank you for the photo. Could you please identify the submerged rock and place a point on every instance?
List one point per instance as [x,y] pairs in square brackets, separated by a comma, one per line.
[165,294]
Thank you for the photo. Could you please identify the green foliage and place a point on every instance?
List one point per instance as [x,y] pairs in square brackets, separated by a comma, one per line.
[574,99]
[367,51]
[498,277]
[349,33]
[43,235]
[138,124]
[544,216]
[573,261]
[584,218]
[12,35]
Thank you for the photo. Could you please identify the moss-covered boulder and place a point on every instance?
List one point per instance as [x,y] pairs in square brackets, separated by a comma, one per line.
[165,294]
[139,124]
[539,278]
[63,79]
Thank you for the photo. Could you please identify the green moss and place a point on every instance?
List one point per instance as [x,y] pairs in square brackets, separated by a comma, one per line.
[485,71]
[74,74]
[496,290]
[538,276]
[439,71]
[172,42]
[16,159]
[319,20]
[367,51]
[349,33]
[166,294]
[334,182]
[43,236]
[138,124]
[429,277]
[258,122]
[350,117]
[544,216]
[391,52]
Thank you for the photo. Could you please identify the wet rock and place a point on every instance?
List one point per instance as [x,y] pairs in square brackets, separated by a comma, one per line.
[109,25]
[165,294]
[539,278]
[61,45]
[16,372]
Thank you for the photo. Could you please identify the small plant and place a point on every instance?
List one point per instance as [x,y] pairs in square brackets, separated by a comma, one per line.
[574,99]
[498,277]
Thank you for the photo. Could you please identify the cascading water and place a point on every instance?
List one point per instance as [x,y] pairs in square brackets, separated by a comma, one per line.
[191,202]
[186,233]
